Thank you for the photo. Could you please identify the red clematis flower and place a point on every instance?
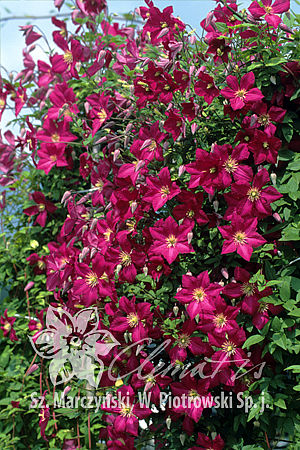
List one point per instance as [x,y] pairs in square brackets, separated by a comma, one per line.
[204,441]
[219,48]
[264,116]
[64,103]
[44,416]
[241,286]
[99,112]
[96,282]
[206,171]
[161,25]
[41,208]
[269,11]
[170,239]
[219,321]
[198,293]
[73,53]
[259,310]
[51,155]
[190,209]
[241,94]
[38,263]
[252,200]
[185,341]
[205,87]
[265,146]
[160,190]
[193,395]
[55,132]
[151,382]
[128,256]
[137,320]
[37,324]
[174,124]
[241,236]
[128,411]
[231,352]
[7,326]
[157,266]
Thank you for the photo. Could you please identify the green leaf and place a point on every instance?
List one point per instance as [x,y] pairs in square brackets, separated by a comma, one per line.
[295,312]
[281,403]
[295,368]
[253,340]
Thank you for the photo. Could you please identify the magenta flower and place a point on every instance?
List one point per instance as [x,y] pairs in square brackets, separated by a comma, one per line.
[151,382]
[174,123]
[41,208]
[241,236]
[137,319]
[259,310]
[219,321]
[96,282]
[128,411]
[7,326]
[185,341]
[190,208]
[193,395]
[269,11]
[252,200]
[160,190]
[51,155]
[265,146]
[44,416]
[231,351]
[171,239]
[128,256]
[204,441]
[241,94]
[199,293]
[206,171]
[205,87]
[55,132]
[64,103]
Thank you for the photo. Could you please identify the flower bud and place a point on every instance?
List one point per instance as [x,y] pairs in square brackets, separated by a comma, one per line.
[93,252]
[94,224]
[66,197]
[273,177]
[175,310]
[192,39]
[277,217]
[163,32]
[116,155]
[168,422]
[66,390]
[194,128]
[118,269]
[28,286]
[182,438]
[32,369]
[224,272]
[181,170]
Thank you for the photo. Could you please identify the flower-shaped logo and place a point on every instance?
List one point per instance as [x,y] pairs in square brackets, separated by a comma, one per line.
[74,344]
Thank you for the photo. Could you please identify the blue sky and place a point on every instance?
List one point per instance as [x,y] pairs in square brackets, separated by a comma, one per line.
[12,41]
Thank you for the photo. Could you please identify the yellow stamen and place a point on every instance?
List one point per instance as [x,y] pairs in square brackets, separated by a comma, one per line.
[92,279]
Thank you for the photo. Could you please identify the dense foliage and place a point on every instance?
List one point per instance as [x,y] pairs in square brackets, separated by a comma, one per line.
[154,177]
